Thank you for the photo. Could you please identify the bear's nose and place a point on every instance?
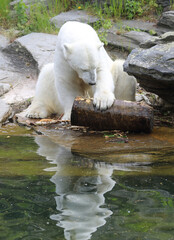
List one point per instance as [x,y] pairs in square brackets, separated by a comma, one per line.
[92,83]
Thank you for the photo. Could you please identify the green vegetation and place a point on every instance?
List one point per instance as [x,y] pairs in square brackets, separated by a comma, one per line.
[124,8]
[105,24]
[33,19]
[4,12]
[22,20]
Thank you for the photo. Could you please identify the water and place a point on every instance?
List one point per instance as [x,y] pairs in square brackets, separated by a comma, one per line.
[47,192]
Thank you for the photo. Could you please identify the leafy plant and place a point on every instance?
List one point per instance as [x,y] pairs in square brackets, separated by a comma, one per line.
[21,14]
[106,24]
[4,12]
[39,19]
[127,28]
[133,8]
[152,32]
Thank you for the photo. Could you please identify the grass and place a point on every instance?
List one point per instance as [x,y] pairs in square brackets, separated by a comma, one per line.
[4,12]
[34,19]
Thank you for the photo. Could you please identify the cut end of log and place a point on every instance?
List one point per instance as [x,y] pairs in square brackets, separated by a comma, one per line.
[123,115]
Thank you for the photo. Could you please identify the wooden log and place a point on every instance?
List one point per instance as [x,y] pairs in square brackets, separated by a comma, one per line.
[123,115]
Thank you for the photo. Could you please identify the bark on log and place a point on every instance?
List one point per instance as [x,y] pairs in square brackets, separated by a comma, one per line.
[123,115]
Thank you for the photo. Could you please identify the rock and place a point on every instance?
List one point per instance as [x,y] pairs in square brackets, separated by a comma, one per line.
[147,97]
[127,41]
[138,37]
[120,42]
[4,88]
[139,25]
[35,49]
[22,82]
[164,38]
[5,112]
[165,4]
[73,15]
[154,69]
[3,41]
[167,20]
[120,36]
[20,96]
[18,70]
[29,2]
[20,63]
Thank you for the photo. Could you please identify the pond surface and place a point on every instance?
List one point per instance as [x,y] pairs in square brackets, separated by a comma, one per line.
[48,191]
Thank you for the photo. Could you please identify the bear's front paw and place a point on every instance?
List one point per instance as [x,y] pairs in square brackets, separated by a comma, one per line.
[36,112]
[103,100]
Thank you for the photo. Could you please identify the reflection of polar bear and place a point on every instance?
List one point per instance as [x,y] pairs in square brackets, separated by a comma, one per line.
[80,192]
[80,62]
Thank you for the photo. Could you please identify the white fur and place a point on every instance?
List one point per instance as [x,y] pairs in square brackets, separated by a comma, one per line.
[45,101]
[125,85]
[81,67]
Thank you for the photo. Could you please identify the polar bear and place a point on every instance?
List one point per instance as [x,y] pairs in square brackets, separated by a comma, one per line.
[80,62]
[81,67]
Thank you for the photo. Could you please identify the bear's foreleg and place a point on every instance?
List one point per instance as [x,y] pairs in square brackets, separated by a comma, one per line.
[104,92]
[67,92]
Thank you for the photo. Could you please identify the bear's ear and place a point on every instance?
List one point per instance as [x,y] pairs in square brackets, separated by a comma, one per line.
[100,45]
[67,50]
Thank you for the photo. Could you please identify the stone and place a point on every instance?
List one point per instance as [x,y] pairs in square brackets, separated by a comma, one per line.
[127,40]
[35,49]
[20,64]
[165,4]
[18,72]
[73,15]
[29,2]
[4,88]
[3,41]
[167,20]
[154,69]
[138,37]
[120,42]
[140,25]
[164,38]
[120,37]
[5,112]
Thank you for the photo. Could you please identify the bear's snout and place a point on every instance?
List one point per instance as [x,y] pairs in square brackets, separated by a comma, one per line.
[92,83]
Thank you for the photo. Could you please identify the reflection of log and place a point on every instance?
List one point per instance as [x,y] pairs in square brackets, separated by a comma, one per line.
[123,115]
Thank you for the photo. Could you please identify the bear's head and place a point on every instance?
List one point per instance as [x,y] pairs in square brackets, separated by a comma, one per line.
[84,58]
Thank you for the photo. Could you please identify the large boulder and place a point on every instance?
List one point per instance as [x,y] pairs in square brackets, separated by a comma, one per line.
[154,67]
[167,20]
[20,63]
[34,49]
[73,15]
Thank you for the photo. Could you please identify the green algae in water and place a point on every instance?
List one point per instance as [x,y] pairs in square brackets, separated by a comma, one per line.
[18,157]
[79,198]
